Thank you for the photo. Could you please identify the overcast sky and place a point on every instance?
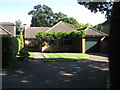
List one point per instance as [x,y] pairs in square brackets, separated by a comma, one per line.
[12,10]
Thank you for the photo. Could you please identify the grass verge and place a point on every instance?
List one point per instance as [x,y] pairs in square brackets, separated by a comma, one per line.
[65,56]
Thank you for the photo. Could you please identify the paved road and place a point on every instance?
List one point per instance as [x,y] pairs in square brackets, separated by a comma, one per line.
[79,74]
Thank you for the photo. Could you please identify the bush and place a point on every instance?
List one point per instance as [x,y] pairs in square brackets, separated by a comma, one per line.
[24,54]
[9,50]
[44,43]
[50,49]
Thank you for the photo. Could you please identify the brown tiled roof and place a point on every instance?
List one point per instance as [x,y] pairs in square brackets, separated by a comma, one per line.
[30,32]
[93,32]
[7,24]
[9,27]
[3,31]
[62,27]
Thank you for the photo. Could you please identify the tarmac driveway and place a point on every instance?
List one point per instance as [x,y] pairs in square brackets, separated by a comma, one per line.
[77,74]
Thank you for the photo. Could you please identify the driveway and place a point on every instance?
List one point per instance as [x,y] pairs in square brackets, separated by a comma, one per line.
[92,73]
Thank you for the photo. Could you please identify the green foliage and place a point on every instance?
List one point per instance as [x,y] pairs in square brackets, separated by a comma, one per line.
[98,27]
[18,24]
[60,35]
[103,7]
[43,16]
[44,43]
[23,54]
[9,50]
[87,25]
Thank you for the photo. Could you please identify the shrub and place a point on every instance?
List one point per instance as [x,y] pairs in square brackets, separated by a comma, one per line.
[9,50]
[23,54]
[50,49]
[44,43]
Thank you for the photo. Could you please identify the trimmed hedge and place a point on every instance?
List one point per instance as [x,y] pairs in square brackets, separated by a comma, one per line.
[10,47]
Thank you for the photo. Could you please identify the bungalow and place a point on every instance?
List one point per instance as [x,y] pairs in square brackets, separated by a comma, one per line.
[92,42]
[10,27]
[4,32]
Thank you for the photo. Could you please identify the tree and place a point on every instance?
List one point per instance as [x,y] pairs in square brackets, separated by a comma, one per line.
[114,46]
[58,17]
[98,27]
[41,16]
[103,7]
[113,10]
[72,22]
[88,25]
[18,24]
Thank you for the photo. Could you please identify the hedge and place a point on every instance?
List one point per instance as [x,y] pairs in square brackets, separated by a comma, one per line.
[10,47]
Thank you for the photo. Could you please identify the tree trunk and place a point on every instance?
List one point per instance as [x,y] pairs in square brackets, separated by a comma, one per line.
[114,47]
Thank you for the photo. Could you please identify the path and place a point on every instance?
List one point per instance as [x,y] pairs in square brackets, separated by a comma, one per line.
[37,57]
[86,74]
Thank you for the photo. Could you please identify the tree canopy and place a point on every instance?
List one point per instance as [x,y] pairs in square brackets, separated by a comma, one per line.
[98,27]
[112,10]
[18,24]
[103,7]
[43,16]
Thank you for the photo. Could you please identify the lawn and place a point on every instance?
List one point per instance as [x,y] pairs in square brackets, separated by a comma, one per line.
[65,56]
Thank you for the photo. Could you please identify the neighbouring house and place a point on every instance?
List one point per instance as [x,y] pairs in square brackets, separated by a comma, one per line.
[92,42]
[106,27]
[10,27]
[4,32]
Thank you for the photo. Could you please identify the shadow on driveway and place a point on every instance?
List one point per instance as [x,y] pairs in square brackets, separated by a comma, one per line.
[36,74]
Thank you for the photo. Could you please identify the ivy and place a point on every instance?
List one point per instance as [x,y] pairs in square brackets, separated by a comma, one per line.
[60,35]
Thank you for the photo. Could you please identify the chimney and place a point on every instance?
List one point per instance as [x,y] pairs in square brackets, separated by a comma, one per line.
[24,26]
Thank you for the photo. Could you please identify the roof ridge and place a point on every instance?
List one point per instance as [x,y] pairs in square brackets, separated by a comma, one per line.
[69,24]
[54,26]
[6,30]
[59,23]
[96,30]
[38,27]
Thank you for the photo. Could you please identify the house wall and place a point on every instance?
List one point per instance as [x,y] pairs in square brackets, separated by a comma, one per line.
[77,45]
[106,28]
[65,46]
[104,45]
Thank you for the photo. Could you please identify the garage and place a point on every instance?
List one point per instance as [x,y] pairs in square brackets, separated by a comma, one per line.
[92,45]
[93,41]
